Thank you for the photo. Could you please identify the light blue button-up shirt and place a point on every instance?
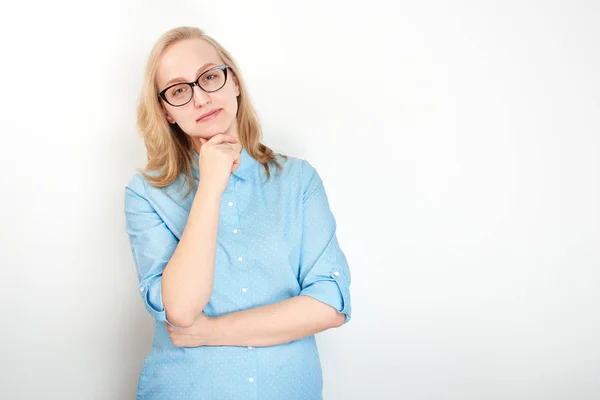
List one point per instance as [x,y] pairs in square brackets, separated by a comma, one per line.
[276,240]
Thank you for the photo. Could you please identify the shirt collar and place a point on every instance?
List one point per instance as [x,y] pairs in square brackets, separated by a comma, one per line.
[245,171]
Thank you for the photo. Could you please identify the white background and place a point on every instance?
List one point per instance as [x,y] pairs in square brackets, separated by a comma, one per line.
[459,146]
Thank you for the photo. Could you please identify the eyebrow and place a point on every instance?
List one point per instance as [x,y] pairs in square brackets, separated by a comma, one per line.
[180,79]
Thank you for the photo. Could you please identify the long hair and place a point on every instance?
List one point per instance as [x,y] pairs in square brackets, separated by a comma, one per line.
[169,149]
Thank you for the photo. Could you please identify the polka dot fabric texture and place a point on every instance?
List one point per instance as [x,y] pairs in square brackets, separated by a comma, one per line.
[276,240]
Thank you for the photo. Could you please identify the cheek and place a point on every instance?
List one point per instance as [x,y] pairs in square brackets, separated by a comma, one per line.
[233,106]
[228,101]
[228,96]
[182,116]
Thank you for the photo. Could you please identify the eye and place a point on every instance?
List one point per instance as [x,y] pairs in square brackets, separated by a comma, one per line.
[178,90]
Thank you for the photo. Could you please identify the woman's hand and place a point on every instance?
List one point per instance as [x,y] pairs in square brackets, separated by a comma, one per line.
[218,160]
[201,333]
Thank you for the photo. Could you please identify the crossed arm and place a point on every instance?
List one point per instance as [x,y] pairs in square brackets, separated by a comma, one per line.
[267,325]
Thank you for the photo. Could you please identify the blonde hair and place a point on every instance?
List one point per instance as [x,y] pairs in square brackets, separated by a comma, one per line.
[169,149]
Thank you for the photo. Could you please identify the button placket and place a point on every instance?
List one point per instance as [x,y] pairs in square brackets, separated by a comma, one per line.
[236,232]
[232,203]
[233,217]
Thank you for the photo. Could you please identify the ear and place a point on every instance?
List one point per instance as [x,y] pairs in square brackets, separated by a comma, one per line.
[236,86]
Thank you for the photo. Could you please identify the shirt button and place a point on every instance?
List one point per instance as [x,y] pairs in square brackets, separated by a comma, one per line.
[240,258]
[336,273]
[141,289]
[235,231]
[230,204]
[250,347]
[251,380]
[244,290]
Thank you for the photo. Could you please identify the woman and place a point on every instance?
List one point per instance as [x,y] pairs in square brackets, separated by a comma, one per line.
[235,246]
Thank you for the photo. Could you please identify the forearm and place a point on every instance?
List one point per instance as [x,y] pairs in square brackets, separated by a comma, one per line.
[188,277]
[277,323]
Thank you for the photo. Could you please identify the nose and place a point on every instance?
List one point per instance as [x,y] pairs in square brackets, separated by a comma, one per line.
[200,96]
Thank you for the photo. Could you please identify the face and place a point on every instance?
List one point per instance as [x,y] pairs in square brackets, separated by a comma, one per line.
[187,60]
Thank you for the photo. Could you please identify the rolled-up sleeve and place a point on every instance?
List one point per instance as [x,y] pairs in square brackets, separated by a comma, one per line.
[152,245]
[324,270]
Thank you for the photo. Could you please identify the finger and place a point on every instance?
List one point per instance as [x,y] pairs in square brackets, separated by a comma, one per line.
[221,137]
[225,145]
[235,165]
[202,140]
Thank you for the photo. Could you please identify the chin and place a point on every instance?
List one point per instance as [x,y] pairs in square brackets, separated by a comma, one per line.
[213,129]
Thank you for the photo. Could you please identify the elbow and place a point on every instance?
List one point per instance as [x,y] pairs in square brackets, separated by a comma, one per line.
[338,320]
[183,312]
[171,306]
[334,318]
[181,319]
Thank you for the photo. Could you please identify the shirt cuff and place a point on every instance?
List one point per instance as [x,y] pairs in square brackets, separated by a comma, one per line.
[334,292]
[152,295]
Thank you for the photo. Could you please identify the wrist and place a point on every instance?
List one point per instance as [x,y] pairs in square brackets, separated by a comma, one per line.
[208,193]
[217,330]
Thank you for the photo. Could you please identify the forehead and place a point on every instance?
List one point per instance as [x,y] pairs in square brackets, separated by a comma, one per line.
[183,59]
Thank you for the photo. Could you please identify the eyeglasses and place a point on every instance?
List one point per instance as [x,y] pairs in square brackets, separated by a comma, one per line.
[210,81]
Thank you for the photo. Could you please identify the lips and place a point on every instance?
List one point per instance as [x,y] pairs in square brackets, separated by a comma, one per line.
[208,115]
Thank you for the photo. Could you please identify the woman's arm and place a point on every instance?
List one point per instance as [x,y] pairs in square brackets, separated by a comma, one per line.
[277,323]
[164,262]
[267,325]
[188,277]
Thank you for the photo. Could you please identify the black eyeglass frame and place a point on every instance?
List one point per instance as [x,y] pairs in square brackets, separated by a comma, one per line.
[223,68]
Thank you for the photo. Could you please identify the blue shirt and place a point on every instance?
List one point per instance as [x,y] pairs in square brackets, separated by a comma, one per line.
[276,240]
